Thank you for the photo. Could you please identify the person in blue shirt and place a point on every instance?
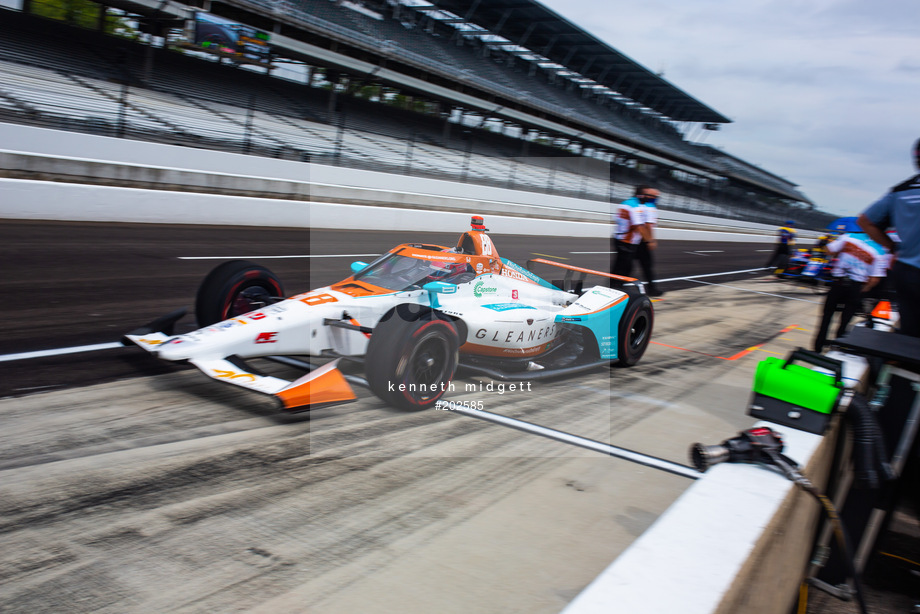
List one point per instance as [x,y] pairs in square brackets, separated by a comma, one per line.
[900,209]
[785,239]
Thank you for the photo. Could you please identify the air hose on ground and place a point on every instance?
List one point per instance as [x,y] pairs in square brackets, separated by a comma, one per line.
[870,457]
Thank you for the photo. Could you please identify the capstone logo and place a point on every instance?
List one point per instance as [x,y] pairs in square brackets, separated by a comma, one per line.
[480,288]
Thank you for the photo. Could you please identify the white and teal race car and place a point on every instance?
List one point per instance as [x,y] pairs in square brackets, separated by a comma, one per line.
[412,317]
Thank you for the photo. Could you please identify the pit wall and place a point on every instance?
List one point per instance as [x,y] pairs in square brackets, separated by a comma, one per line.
[55,175]
[739,539]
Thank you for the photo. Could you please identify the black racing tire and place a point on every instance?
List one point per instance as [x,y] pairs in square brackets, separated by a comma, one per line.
[635,331]
[418,352]
[234,288]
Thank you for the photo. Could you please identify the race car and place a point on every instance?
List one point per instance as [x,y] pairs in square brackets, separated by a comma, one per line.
[809,266]
[412,317]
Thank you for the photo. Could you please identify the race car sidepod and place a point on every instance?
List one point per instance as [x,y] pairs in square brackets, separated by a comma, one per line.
[599,310]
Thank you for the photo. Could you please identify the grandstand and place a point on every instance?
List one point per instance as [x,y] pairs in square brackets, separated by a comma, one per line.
[499,93]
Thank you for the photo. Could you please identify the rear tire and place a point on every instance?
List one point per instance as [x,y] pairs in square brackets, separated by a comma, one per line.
[417,353]
[234,288]
[635,331]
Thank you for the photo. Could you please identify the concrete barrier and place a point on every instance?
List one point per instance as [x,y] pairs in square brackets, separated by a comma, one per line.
[167,179]
[52,200]
[738,540]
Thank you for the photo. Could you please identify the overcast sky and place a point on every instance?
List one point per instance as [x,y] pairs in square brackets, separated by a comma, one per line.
[824,93]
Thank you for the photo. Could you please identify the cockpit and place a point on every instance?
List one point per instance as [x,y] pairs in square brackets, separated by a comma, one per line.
[406,272]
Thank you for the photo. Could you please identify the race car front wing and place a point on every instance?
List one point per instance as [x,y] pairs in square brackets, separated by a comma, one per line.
[321,387]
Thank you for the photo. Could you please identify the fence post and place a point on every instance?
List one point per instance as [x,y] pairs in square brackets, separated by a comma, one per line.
[409,147]
[122,111]
[469,153]
[552,176]
[339,138]
[250,113]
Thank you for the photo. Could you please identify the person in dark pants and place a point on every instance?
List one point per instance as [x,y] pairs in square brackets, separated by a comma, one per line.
[631,230]
[845,296]
[784,241]
[644,254]
[900,209]
[861,264]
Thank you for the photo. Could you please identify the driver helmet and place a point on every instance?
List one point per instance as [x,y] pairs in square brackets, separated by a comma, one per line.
[443,270]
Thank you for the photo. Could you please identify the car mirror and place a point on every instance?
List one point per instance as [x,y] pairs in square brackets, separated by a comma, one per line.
[440,287]
[435,288]
[357,266]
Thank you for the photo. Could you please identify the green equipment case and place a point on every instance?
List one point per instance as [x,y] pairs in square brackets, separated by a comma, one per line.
[797,395]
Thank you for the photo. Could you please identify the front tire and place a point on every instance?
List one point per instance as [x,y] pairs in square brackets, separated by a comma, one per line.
[635,330]
[411,361]
[234,288]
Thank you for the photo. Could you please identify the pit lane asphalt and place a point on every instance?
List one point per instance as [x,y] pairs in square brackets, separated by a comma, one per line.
[73,284]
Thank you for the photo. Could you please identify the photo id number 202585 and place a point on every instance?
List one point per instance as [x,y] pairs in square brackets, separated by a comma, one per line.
[452,405]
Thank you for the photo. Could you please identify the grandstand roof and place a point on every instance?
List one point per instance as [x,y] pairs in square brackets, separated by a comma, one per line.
[529,24]
[519,27]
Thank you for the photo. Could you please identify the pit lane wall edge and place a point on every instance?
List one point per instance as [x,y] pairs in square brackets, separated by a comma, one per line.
[51,200]
[738,540]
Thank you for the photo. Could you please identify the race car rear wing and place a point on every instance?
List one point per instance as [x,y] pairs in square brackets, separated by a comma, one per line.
[573,282]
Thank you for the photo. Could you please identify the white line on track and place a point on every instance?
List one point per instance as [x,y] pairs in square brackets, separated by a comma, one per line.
[275,257]
[706,252]
[109,346]
[790,298]
[592,252]
[692,277]
[60,351]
